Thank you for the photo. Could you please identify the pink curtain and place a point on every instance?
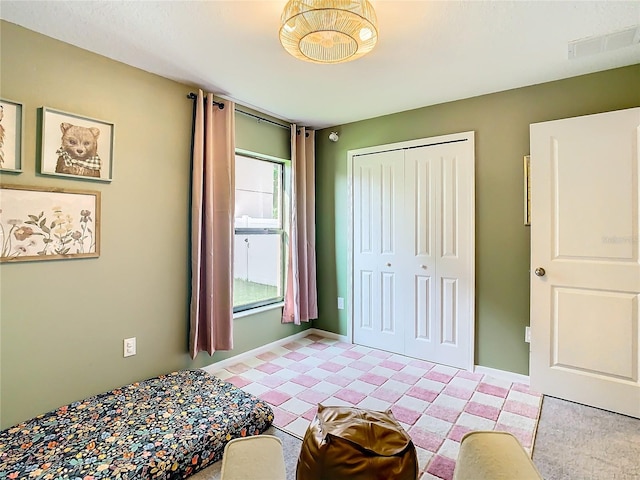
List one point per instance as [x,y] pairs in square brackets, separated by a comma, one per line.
[301,298]
[212,230]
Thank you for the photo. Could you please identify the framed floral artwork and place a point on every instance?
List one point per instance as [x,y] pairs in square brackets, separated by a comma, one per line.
[39,223]
[10,136]
[76,147]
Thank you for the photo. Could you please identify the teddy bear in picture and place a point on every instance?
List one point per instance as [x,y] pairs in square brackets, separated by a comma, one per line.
[78,154]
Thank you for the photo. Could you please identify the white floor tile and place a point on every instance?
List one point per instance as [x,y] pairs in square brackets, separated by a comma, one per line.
[475,423]
[282,361]
[464,383]
[453,403]
[520,397]
[297,406]
[498,382]
[255,389]
[223,374]
[327,388]
[434,425]
[362,387]
[415,371]
[319,373]
[372,403]
[413,403]
[446,370]
[518,421]
[287,374]
[350,373]
[336,402]
[383,372]
[424,457]
[253,362]
[430,385]
[299,426]
[396,386]
[253,375]
[290,388]
[449,449]
[485,399]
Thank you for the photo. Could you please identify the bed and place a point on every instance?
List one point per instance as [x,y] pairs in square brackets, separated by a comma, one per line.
[166,427]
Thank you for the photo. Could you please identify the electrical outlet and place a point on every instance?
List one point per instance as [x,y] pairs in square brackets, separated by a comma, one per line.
[340,303]
[527,334]
[129,346]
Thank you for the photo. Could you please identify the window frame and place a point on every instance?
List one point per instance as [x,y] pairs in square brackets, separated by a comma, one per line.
[282,231]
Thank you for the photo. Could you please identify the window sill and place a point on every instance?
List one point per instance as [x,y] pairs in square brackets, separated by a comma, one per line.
[256,310]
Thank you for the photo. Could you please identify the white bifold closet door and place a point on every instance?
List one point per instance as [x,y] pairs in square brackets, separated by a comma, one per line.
[413,250]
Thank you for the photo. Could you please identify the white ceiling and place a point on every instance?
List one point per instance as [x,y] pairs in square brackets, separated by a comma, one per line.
[428,52]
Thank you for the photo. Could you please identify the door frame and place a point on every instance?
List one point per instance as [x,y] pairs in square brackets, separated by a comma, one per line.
[421,142]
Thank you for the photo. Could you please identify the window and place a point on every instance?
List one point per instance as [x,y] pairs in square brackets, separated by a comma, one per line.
[258,263]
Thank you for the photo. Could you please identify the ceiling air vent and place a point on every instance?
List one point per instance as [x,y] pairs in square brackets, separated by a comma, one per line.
[604,43]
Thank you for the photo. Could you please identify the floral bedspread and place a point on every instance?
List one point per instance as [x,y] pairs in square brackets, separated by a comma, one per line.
[167,427]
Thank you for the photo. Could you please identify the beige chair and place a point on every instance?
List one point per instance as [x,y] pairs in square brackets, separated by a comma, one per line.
[253,458]
[491,455]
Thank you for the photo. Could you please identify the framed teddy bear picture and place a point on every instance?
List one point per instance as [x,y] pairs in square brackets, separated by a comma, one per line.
[75,146]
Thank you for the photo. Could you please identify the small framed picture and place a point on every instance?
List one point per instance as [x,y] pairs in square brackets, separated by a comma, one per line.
[527,190]
[10,136]
[75,146]
[39,223]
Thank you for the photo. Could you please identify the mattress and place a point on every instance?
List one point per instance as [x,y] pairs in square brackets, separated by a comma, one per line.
[165,427]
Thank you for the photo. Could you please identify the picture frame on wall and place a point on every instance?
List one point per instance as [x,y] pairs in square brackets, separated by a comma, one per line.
[75,146]
[527,190]
[40,223]
[11,122]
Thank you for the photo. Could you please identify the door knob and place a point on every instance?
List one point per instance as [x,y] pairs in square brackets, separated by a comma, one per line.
[540,272]
[388,264]
[424,267]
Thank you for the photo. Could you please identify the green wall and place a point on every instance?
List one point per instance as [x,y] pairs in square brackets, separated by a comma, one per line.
[62,323]
[501,124]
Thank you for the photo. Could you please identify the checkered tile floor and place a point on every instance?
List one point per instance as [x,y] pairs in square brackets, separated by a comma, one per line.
[436,404]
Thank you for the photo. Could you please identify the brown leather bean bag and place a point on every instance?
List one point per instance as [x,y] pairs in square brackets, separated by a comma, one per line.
[348,443]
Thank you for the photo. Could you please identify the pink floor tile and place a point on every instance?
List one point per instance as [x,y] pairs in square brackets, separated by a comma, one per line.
[269,368]
[325,354]
[441,467]
[405,378]
[363,366]
[282,418]
[438,376]
[405,415]
[271,381]
[338,380]
[443,413]
[318,345]
[267,356]
[386,395]
[373,379]
[484,411]
[292,346]
[422,394]
[521,387]
[521,409]
[425,439]
[298,367]
[457,392]
[457,432]
[492,390]
[238,381]
[273,397]
[315,338]
[524,437]
[344,345]
[392,365]
[469,375]
[331,367]
[380,354]
[313,397]
[352,354]
[238,368]
[421,364]
[350,396]
[296,356]
[310,414]
[305,380]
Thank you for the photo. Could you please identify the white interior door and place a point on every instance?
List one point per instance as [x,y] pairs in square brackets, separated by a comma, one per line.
[378,183]
[439,200]
[584,234]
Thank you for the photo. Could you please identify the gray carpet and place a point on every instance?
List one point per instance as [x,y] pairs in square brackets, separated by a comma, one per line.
[573,442]
[576,442]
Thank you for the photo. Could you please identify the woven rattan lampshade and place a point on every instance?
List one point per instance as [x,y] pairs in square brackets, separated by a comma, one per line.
[328,31]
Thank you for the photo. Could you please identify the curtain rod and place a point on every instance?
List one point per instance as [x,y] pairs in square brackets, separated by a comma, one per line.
[193,96]
[220,105]
[261,119]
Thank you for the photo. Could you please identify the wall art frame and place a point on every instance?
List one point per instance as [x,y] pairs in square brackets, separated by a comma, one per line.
[74,146]
[527,190]
[11,126]
[40,223]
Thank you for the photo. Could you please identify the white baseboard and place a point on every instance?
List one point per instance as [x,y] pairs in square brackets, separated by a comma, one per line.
[502,374]
[214,367]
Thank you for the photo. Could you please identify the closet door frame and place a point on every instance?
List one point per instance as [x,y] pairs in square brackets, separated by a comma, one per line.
[422,142]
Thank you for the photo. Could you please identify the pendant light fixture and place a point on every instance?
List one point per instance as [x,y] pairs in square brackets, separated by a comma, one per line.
[328,31]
